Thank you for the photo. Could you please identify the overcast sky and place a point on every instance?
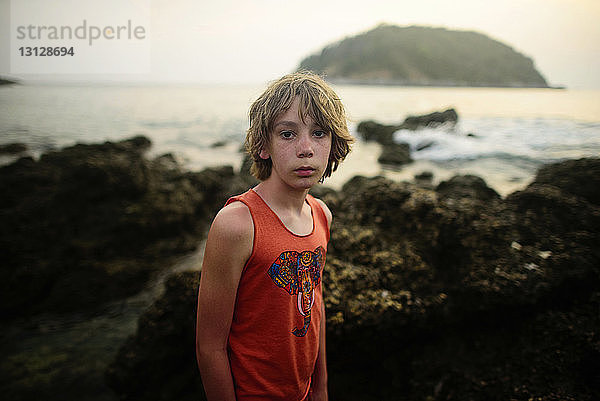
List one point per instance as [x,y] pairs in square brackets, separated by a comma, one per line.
[252,41]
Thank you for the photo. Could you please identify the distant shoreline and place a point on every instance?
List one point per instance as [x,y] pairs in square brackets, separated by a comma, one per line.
[4,81]
[335,81]
[377,82]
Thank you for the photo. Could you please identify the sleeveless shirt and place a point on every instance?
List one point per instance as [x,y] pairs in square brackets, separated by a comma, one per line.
[274,337]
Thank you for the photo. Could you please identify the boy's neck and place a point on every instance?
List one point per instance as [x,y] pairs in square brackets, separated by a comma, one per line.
[282,197]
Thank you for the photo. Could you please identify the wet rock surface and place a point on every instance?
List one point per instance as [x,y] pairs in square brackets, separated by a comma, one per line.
[169,372]
[374,131]
[13,148]
[445,294]
[577,177]
[91,223]
[397,154]
[466,186]
[431,120]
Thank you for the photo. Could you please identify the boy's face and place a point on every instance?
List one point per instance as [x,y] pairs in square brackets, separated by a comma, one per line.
[299,149]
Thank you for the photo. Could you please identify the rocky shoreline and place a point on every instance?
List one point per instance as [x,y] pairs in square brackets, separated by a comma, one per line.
[91,223]
[444,293]
[394,154]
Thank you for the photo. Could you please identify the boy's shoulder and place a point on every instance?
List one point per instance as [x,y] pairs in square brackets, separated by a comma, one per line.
[234,220]
[326,210]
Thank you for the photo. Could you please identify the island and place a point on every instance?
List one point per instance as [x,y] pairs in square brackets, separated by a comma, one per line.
[424,56]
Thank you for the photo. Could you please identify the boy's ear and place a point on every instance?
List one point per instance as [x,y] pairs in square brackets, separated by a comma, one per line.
[264,154]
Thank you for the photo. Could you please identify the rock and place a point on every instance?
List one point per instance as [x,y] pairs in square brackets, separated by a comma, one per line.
[138,143]
[244,175]
[430,120]
[561,232]
[159,362]
[469,186]
[373,131]
[547,356]
[13,148]
[424,145]
[426,176]
[578,177]
[458,250]
[246,165]
[167,161]
[546,210]
[218,144]
[384,134]
[362,198]
[321,191]
[91,223]
[395,154]
[5,81]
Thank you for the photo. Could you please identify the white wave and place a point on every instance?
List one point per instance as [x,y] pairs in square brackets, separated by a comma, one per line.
[534,139]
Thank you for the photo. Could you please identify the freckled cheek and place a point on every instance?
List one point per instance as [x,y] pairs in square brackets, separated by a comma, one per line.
[324,148]
[283,147]
[324,145]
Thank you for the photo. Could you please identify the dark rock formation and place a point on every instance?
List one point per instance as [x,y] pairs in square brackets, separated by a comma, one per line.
[456,277]
[578,177]
[13,148]
[373,131]
[431,119]
[384,134]
[426,176]
[424,145]
[4,81]
[395,154]
[219,144]
[169,371]
[90,223]
[245,170]
[466,186]
[444,295]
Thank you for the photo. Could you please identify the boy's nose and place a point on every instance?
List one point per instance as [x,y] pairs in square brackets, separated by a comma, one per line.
[305,147]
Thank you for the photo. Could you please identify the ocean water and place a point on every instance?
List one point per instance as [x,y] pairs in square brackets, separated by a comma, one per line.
[503,135]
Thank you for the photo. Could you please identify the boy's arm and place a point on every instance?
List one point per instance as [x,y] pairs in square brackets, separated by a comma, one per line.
[228,247]
[318,385]
[319,376]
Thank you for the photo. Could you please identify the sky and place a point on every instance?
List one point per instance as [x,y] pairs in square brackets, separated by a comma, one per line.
[254,41]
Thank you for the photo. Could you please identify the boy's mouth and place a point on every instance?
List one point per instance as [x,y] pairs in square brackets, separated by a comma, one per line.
[304,171]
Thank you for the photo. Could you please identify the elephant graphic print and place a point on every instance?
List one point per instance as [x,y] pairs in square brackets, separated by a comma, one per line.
[299,273]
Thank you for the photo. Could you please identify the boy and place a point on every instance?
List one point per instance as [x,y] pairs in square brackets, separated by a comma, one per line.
[261,317]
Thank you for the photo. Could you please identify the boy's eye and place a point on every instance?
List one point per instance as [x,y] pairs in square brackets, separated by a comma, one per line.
[319,133]
[287,134]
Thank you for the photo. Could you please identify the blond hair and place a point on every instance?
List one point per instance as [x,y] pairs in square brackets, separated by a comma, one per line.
[316,99]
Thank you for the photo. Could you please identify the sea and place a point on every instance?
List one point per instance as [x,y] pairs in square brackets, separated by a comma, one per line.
[503,134]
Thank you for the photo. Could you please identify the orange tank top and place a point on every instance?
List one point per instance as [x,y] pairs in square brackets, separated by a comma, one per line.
[274,336]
